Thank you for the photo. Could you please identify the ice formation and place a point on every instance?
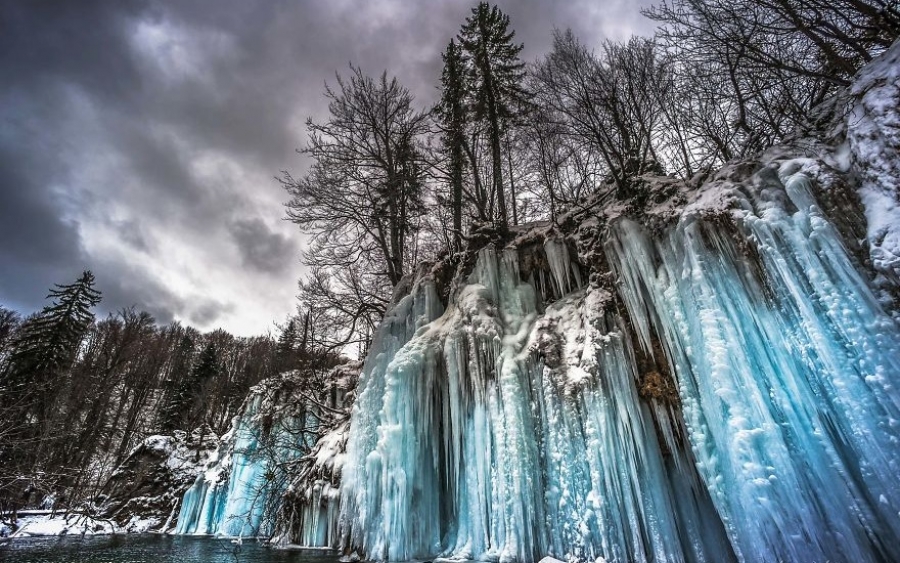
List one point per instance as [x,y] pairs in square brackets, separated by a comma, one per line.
[242,493]
[231,497]
[710,381]
[505,428]
[501,430]
[787,369]
[309,514]
[731,395]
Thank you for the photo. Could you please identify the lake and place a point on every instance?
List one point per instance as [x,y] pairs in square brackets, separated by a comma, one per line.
[147,548]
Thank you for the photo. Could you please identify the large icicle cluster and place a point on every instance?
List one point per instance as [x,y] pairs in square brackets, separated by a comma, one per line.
[503,430]
[787,368]
[243,492]
[731,394]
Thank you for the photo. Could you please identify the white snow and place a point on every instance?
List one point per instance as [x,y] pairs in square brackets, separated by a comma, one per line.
[873,133]
[62,524]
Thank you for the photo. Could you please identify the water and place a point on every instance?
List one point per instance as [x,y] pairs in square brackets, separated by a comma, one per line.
[151,549]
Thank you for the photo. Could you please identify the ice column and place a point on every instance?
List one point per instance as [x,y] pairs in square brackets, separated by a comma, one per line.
[496,432]
[787,369]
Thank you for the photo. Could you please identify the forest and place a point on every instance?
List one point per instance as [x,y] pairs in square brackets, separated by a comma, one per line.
[79,393]
[393,184]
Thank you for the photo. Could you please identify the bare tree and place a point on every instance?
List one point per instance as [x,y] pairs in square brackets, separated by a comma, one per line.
[361,198]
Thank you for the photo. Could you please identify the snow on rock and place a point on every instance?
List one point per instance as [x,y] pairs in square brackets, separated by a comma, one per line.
[873,133]
[60,525]
[145,492]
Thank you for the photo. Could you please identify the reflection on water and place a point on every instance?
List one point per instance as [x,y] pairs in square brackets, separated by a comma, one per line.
[150,549]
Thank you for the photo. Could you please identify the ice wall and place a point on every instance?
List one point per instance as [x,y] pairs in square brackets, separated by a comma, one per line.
[501,431]
[510,427]
[787,368]
[232,497]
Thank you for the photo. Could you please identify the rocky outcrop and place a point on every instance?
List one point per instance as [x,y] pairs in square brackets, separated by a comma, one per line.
[145,492]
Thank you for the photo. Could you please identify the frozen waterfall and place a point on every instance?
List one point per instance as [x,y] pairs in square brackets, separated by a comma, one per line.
[787,368]
[710,378]
[507,428]
[241,492]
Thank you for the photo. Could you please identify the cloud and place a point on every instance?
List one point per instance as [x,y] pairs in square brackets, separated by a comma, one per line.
[140,139]
[261,248]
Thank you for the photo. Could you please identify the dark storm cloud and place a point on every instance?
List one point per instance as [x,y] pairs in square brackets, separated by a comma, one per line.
[132,288]
[140,138]
[260,247]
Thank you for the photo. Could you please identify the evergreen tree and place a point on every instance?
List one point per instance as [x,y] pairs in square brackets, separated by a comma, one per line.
[286,352]
[176,399]
[47,343]
[495,80]
[208,368]
[9,323]
[185,405]
[452,113]
[36,373]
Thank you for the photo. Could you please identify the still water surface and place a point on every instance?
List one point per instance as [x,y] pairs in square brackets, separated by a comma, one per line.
[150,549]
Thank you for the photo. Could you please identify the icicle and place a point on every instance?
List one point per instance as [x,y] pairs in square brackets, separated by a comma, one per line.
[786,366]
[566,274]
[466,444]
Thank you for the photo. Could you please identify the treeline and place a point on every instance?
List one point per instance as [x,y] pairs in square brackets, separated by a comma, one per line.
[78,393]
[512,142]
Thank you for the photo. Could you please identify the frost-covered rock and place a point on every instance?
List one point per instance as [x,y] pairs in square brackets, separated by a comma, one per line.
[144,493]
[873,134]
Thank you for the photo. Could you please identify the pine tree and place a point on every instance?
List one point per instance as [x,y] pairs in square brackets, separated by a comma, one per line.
[36,373]
[495,78]
[185,403]
[176,399]
[452,113]
[47,343]
[286,349]
[208,368]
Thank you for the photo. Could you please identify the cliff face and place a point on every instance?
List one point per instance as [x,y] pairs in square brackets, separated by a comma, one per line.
[706,373]
[145,492]
[708,376]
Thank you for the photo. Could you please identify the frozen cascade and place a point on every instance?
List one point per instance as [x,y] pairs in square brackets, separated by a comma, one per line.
[786,367]
[496,432]
[732,398]
[236,496]
[309,514]
[504,430]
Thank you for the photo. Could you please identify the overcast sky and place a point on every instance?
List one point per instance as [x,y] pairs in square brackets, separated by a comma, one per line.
[140,139]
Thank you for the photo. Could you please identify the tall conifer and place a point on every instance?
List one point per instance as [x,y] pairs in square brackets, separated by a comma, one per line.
[495,80]
[452,114]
